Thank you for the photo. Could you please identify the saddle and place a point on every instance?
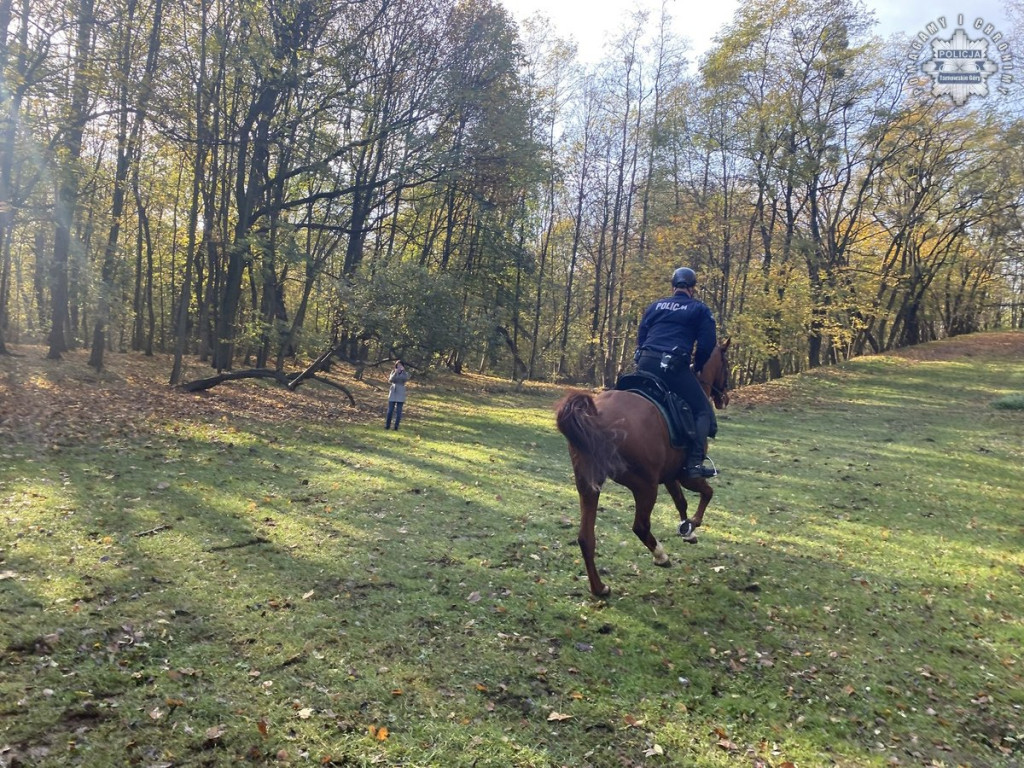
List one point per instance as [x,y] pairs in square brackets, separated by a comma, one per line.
[674,410]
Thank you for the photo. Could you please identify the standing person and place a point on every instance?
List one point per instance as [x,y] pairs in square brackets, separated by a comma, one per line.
[670,330]
[396,397]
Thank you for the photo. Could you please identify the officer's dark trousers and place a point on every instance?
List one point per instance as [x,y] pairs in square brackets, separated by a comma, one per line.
[684,384]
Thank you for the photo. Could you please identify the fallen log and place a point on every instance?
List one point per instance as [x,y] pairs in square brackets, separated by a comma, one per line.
[290,381]
[200,385]
[311,370]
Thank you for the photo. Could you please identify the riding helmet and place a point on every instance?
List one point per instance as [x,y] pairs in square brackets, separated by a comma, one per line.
[684,277]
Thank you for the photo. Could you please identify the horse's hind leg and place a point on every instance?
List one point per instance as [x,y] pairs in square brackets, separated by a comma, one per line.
[588,516]
[645,496]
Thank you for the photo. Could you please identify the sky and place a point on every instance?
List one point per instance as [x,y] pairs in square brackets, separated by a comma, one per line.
[590,22]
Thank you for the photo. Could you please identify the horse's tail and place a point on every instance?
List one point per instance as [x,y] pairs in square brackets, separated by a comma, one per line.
[597,456]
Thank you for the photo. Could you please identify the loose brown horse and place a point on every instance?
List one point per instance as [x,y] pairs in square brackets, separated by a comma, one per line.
[622,436]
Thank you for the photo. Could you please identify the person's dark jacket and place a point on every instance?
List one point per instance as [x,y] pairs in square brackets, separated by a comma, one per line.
[677,323]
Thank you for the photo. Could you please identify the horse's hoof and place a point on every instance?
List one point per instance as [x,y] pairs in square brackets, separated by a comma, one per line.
[688,531]
[603,592]
[661,558]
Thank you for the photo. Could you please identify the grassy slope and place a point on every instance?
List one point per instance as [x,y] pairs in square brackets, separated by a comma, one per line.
[200,591]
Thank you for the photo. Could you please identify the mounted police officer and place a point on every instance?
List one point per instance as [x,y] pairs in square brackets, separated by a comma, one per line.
[675,332]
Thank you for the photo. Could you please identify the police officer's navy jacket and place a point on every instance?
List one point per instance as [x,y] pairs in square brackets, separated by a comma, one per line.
[676,323]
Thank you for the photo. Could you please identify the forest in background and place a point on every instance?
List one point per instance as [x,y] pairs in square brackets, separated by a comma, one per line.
[264,183]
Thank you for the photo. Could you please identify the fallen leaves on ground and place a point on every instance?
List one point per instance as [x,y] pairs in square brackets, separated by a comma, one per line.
[54,403]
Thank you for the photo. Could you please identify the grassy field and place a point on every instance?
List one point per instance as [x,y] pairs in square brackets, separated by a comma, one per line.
[252,577]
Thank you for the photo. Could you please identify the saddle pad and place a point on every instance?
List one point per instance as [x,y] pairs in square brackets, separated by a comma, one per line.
[675,412]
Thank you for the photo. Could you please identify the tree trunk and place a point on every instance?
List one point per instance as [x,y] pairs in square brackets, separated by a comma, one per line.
[68,184]
[191,254]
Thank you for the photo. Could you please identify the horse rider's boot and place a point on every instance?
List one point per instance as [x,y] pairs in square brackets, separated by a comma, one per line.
[695,467]
[698,469]
[695,459]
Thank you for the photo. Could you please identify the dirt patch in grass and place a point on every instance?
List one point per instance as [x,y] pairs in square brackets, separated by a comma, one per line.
[987,345]
[61,402]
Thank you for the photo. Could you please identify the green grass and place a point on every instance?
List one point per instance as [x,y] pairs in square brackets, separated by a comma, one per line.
[235,592]
[1009,403]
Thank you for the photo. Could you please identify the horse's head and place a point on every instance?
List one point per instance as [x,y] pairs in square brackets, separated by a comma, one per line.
[714,376]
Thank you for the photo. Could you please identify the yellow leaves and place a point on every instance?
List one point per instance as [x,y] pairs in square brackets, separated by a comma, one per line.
[724,742]
[378,734]
[179,674]
[557,717]
[632,722]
